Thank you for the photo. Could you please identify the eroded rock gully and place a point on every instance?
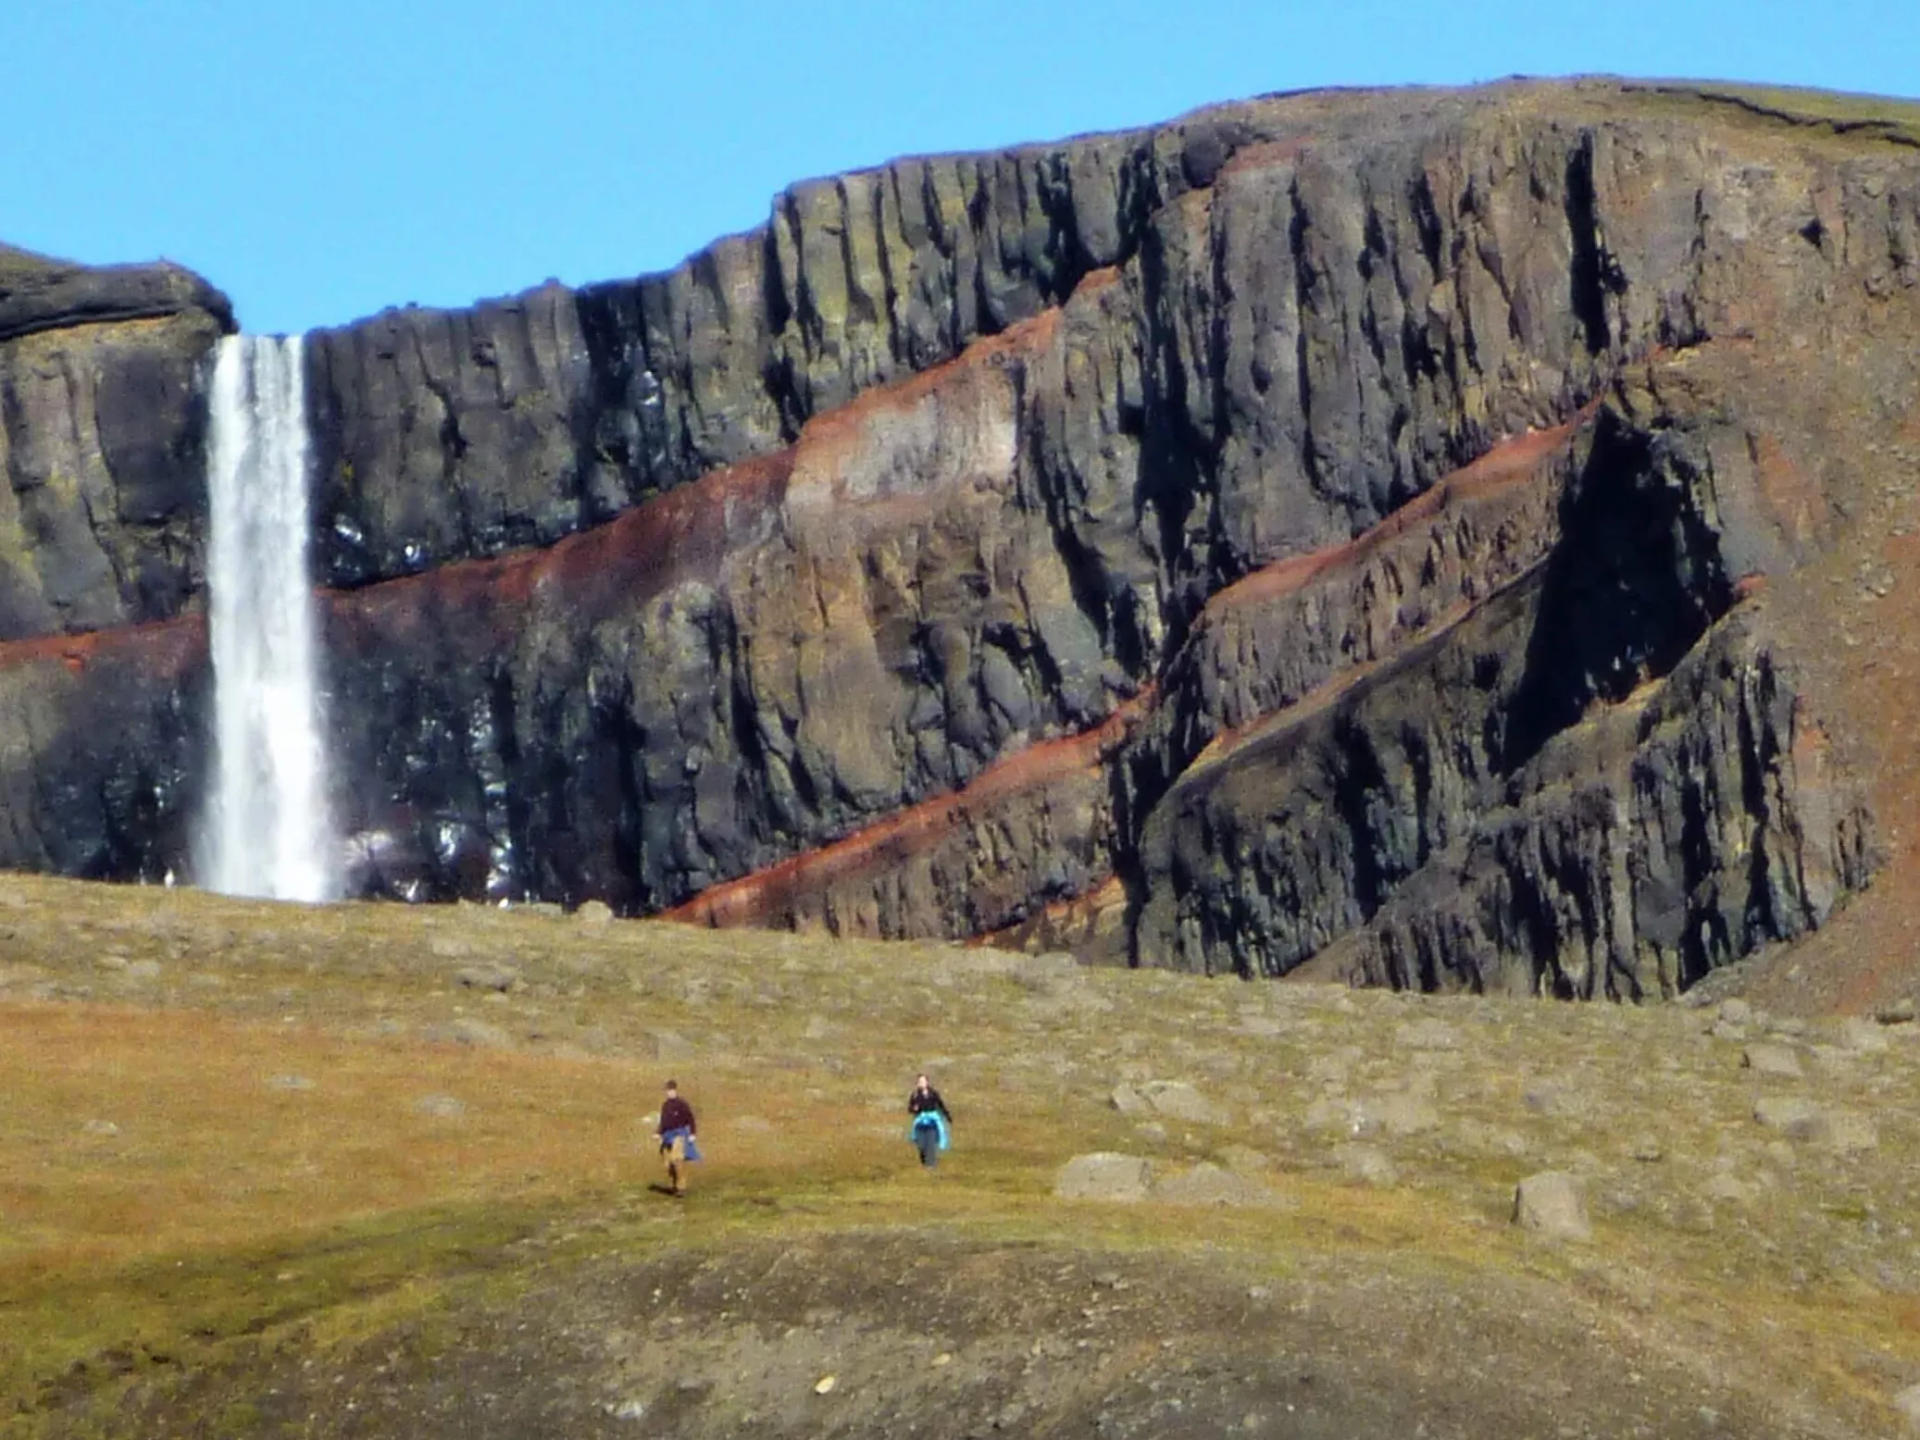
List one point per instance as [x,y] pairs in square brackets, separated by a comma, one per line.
[1344,531]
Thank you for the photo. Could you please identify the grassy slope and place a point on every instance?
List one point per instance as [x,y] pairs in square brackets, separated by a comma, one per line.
[240,1151]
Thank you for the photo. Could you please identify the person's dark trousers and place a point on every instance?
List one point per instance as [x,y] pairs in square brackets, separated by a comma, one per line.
[927,1137]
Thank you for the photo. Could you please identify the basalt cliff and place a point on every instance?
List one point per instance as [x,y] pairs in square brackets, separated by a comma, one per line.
[1436,538]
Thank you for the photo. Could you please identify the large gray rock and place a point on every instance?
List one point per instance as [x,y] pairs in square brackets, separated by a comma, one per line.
[1103,1175]
[1551,1205]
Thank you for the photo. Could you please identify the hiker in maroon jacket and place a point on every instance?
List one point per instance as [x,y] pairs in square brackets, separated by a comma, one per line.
[677,1145]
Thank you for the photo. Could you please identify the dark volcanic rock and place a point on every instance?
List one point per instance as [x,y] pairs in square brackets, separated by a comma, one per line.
[102,442]
[38,293]
[1345,531]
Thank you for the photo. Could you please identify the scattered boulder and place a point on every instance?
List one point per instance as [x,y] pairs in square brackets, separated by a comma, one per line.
[1900,1012]
[1177,1100]
[1336,1112]
[1367,1165]
[440,1107]
[1862,1035]
[1736,1012]
[448,947]
[1405,1114]
[1550,1204]
[289,1082]
[1170,1099]
[500,978]
[468,1031]
[1907,1402]
[594,913]
[1793,1116]
[1104,1175]
[1245,1160]
[1777,1060]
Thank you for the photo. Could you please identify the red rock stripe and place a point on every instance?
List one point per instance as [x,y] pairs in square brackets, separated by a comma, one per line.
[752,898]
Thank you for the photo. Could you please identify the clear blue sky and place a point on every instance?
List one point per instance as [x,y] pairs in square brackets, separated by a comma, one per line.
[319,159]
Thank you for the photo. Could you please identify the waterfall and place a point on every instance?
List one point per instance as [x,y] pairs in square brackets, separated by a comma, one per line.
[266,830]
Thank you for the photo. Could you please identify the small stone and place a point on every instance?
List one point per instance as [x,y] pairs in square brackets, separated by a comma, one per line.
[478,1033]
[1648,1150]
[289,1082]
[101,1127]
[594,913]
[1428,1034]
[488,977]
[440,1107]
[1550,1205]
[143,970]
[824,1385]
[1129,1101]
[943,1358]
[1772,1060]
[1542,1099]
[629,1410]
[1736,1012]
[1900,1012]
[112,962]
[448,947]
[1727,1190]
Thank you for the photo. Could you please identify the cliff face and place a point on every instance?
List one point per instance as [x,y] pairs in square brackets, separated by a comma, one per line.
[1377,533]
[102,426]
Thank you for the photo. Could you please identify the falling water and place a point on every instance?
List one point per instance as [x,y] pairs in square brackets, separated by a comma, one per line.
[266,831]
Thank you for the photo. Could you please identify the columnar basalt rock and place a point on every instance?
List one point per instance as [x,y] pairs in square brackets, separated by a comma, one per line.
[102,426]
[1352,532]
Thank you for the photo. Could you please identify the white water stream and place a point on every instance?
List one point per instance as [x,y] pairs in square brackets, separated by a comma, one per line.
[266,830]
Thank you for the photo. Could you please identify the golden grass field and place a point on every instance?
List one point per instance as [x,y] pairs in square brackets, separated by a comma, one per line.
[230,1131]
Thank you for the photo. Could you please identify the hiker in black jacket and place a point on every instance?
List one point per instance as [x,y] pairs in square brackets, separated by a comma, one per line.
[930,1121]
